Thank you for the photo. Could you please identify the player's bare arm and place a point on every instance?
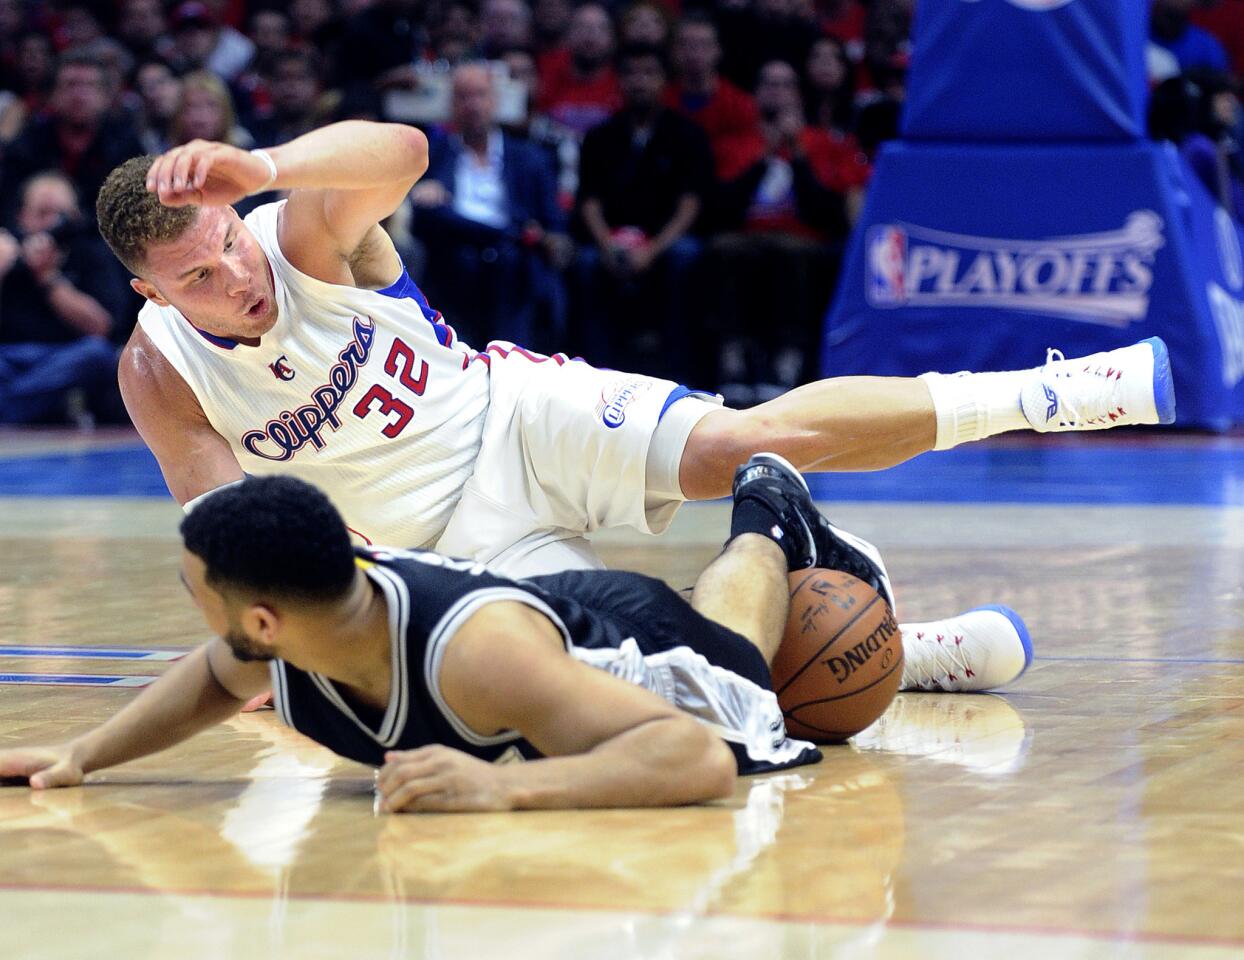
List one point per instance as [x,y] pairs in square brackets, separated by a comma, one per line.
[193,457]
[607,742]
[344,179]
[208,686]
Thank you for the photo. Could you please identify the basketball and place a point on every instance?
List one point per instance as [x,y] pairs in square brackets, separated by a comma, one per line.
[841,659]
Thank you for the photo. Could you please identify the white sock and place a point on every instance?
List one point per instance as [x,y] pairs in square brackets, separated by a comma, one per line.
[973,406]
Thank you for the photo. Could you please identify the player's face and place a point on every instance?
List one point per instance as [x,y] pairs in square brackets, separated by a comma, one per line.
[222,618]
[216,274]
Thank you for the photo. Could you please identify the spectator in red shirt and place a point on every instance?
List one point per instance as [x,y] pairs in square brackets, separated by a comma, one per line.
[550,21]
[786,210]
[724,112]
[844,21]
[578,85]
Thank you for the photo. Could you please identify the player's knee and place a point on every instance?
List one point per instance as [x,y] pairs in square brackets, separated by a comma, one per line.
[717,445]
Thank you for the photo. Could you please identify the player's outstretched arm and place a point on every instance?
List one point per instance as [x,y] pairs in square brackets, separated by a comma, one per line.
[208,686]
[607,743]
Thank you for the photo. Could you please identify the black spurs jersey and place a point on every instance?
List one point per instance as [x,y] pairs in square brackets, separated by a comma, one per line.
[633,626]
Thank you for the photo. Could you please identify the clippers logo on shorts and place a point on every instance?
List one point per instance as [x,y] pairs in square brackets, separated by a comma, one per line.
[282,437]
[1100,278]
[613,403]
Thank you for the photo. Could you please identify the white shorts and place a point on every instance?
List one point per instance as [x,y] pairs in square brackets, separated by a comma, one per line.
[565,451]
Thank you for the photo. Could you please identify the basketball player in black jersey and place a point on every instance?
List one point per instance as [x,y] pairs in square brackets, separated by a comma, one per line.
[618,691]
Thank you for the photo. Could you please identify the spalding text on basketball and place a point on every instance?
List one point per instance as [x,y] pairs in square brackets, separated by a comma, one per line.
[843,666]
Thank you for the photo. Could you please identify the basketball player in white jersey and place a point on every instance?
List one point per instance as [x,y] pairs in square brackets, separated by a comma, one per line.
[295,342]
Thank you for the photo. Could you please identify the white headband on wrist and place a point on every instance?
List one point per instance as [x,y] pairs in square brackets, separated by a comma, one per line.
[267,159]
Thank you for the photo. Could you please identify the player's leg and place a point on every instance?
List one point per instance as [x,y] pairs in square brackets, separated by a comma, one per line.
[774,528]
[870,423]
[745,590]
[848,423]
[981,649]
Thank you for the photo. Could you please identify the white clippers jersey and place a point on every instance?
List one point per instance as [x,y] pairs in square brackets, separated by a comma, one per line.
[365,393]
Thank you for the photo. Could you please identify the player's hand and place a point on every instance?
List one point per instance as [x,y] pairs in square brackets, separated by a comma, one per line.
[206,174]
[42,767]
[440,779]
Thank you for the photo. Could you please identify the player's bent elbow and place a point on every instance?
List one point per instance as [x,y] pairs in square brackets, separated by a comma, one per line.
[417,146]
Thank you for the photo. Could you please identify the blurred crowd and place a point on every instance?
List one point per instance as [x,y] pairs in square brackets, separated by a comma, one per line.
[661,185]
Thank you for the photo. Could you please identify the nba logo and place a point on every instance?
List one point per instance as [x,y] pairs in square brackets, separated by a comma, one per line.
[887,266]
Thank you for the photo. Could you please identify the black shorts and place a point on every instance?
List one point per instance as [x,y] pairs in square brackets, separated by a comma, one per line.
[732,691]
[657,617]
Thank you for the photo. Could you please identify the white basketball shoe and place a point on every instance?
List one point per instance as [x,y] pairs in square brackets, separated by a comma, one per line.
[1116,388]
[981,649]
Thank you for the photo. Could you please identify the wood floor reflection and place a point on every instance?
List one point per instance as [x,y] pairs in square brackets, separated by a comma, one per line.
[1100,800]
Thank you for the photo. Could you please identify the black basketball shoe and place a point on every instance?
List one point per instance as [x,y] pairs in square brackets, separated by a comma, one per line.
[812,540]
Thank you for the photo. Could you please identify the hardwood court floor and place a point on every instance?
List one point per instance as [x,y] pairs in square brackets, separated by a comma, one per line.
[1097,809]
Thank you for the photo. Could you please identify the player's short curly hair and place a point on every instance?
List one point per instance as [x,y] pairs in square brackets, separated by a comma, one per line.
[131,219]
[272,535]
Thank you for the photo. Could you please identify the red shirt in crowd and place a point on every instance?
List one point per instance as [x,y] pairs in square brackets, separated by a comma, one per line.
[727,116]
[836,161]
[848,26]
[576,103]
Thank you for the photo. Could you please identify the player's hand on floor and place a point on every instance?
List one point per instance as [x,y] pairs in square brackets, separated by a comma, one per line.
[42,767]
[439,779]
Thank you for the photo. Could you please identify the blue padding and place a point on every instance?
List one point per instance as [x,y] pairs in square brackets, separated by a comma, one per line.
[1027,71]
[1082,248]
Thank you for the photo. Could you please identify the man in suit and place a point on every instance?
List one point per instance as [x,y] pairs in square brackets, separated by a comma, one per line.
[487,211]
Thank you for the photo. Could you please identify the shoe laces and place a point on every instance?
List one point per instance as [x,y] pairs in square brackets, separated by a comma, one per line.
[1089,403]
[941,660]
